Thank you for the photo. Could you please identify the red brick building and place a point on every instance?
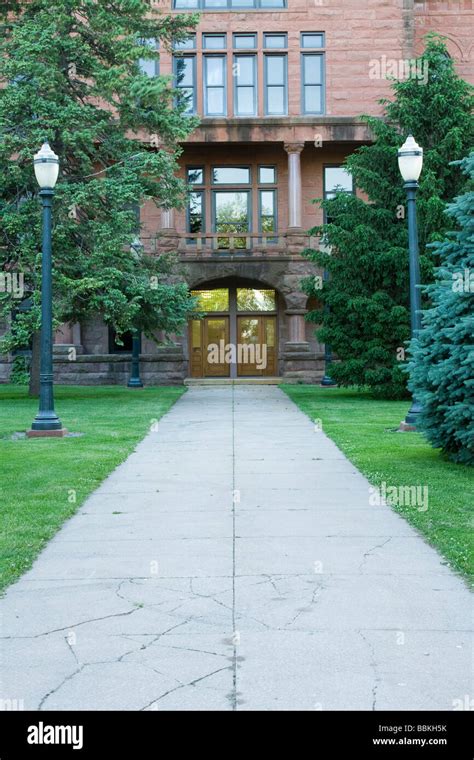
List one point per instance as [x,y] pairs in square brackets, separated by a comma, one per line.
[278,85]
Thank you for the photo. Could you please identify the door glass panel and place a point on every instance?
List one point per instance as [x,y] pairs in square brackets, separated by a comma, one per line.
[212,300]
[216,330]
[196,333]
[270,332]
[249,299]
[249,330]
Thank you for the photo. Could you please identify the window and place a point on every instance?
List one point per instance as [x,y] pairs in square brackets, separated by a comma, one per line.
[275,41]
[312,40]
[336,179]
[275,72]
[228,4]
[245,85]
[312,83]
[215,85]
[266,175]
[188,44]
[185,80]
[245,41]
[149,66]
[212,300]
[267,211]
[231,215]
[196,216]
[230,194]
[195,175]
[312,73]
[250,299]
[214,41]
[231,175]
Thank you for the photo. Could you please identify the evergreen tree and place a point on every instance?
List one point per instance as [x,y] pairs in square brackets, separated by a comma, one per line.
[366,319]
[72,74]
[442,364]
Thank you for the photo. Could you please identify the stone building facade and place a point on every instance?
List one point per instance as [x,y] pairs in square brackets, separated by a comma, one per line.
[278,85]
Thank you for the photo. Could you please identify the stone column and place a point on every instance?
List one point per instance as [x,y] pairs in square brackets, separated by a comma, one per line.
[295,215]
[296,330]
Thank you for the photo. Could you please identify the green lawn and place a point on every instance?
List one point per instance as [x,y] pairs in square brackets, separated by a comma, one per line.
[363,429]
[39,476]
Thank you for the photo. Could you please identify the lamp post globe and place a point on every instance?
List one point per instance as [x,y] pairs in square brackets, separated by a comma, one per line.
[46,422]
[410,163]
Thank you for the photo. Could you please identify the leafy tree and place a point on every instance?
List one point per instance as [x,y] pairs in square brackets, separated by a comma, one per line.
[71,72]
[366,319]
[442,364]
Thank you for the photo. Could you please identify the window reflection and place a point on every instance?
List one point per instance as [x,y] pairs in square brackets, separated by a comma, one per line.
[212,300]
[250,299]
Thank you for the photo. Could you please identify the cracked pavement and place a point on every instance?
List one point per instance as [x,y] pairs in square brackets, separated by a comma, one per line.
[233,562]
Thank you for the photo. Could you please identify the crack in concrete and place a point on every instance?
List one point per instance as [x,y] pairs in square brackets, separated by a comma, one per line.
[374,666]
[183,685]
[369,552]
[148,644]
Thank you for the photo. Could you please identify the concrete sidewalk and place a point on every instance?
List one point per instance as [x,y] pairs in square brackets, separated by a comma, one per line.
[234,562]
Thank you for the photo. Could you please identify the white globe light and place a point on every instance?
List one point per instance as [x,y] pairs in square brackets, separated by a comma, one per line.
[46,164]
[410,160]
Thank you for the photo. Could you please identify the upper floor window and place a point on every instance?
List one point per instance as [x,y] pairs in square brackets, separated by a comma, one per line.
[210,5]
[245,41]
[149,66]
[236,200]
[185,80]
[215,90]
[312,73]
[276,84]
[336,179]
[231,175]
[214,41]
[187,44]
[277,41]
[245,85]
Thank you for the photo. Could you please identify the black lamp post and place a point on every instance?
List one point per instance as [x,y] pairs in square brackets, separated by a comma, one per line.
[135,379]
[46,422]
[410,162]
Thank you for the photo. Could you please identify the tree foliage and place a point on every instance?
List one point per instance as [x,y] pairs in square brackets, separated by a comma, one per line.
[442,363]
[366,319]
[71,74]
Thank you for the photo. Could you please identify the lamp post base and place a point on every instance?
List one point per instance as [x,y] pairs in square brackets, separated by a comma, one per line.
[405,427]
[46,420]
[46,433]
[411,421]
[328,382]
[134,383]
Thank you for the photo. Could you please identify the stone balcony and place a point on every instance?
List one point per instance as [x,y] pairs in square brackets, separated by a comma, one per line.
[223,245]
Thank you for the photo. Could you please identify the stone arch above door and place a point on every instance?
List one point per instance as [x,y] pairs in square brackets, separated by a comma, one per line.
[284,276]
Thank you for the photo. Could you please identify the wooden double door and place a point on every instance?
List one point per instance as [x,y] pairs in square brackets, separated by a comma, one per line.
[252,354]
